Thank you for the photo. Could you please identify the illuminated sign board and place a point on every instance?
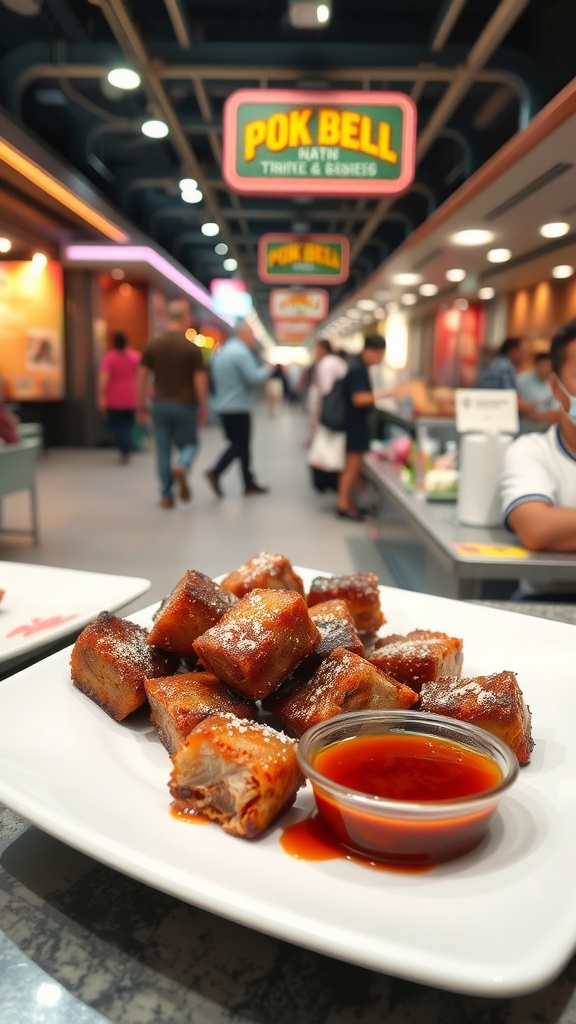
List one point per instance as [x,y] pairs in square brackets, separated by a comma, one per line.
[305,259]
[230,297]
[293,303]
[292,332]
[319,143]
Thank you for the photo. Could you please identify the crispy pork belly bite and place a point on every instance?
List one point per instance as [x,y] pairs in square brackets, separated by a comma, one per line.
[337,629]
[494,703]
[110,661]
[418,656]
[343,682]
[241,774]
[179,703]
[359,590]
[195,604]
[263,572]
[259,641]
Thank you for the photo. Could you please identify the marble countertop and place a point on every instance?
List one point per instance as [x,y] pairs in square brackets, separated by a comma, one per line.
[80,944]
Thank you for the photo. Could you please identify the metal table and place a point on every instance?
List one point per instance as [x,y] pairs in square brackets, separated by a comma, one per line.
[420,540]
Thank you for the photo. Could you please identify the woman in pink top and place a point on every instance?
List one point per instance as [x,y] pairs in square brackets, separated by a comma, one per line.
[117,392]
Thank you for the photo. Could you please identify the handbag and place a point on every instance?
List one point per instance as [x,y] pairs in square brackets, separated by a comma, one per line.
[328,450]
[333,409]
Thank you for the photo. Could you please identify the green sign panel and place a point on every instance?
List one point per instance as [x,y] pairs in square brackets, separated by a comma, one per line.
[303,259]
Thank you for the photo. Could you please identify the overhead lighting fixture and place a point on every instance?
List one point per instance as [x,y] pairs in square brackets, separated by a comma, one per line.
[309,13]
[486,293]
[323,13]
[498,255]
[123,78]
[472,236]
[428,289]
[221,248]
[366,304]
[209,229]
[117,274]
[353,314]
[461,304]
[230,264]
[155,129]
[187,184]
[32,172]
[555,229]
[5,245]
[192,195]
[39,260]
[407,279]
[409,299]
[562,270]
[455,275]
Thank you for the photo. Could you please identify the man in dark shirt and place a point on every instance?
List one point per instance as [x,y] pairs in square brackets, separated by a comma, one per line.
[359,399]
[180,400]
[500,374]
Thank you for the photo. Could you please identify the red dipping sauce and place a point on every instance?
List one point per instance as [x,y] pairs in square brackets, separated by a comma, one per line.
[401,796]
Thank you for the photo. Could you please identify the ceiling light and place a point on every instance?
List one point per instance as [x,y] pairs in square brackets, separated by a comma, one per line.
[221,248]
[472,236]
[5,245]
[192,195]
[124,78]
[230,264]
[407,279]
[155,129]
[309,13]
[117,274]
[498,255]
[323,13]
[39,259]
[210,229]
[353,314]
[461,304]
[455,275]
[409,299]
[486,293]
[366,304]
[187,184]
[555,229]
[428,289]
[562,270]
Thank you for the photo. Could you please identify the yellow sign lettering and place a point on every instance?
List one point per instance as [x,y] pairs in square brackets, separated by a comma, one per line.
[328,127]
[277,132]
[350,125]
[366,144]
[254,135]
[385,152]
[299,132]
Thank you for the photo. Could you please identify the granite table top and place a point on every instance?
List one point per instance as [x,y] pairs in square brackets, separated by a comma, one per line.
[81,943]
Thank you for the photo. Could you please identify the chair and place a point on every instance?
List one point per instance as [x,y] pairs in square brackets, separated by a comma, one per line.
[18,473]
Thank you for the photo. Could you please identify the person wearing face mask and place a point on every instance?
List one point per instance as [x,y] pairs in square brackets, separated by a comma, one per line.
[538,484]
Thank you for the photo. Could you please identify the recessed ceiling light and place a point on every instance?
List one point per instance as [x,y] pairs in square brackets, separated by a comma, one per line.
[221,248]
[192,195]
[407,279]
[461,304]
[409,299]
[428,289]
[486,293]
[5,245]
[472,236]
[555,229]
[455,275]
[187,184]
[123,78]
[353,314]
[39,259]
[366,304]
[118,274]
[498,255]
[230,264]
[210,229]
[562,270]
[323,13]
[155,129]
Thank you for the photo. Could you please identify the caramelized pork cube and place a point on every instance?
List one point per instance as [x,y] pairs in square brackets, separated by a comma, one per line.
[494,703]
[241,774]
[179,703]
[263,572]
[337,629]
[343,682]
[110,661]
[418,657]
[195,604]
[259,641]
[361,593]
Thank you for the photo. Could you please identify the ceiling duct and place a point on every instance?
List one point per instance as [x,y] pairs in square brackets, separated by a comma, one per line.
[529,190]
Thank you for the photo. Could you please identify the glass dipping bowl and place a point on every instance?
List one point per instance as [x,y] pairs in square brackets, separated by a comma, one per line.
[397,831]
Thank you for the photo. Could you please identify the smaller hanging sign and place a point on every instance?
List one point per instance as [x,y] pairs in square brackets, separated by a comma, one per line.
[293,303]
[292,332]
[306,259]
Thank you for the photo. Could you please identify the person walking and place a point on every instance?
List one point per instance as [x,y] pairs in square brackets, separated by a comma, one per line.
[117,393]
[236,375]
[180,403]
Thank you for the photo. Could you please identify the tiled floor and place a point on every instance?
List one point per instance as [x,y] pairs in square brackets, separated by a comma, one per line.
[96,514]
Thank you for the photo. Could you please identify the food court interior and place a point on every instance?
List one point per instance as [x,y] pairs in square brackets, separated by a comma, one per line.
[122,188]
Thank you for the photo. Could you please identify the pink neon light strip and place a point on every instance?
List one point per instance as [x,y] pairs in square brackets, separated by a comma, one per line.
[142,254]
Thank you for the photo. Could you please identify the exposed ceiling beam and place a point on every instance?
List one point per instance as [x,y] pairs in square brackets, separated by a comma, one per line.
[179,24]
[448,18]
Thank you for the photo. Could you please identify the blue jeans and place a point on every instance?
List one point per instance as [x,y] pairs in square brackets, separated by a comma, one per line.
[121,423]
[173,424]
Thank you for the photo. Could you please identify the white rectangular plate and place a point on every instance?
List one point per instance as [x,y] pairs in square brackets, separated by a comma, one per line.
[43,604]
[500,921]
